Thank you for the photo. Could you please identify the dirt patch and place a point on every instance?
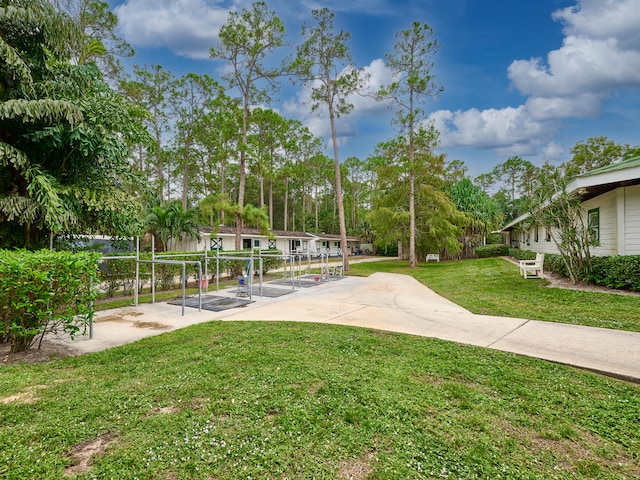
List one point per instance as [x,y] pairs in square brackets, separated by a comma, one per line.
[151,325]
[124,317]
[48,351]
[163,410]
[26,397]
[118,317]
[83,453]
[355,469]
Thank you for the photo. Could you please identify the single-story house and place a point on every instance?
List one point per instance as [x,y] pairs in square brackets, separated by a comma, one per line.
[287,242]
[610,198]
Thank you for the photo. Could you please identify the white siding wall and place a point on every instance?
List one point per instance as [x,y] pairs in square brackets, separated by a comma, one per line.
[632,219]
[542,245]
[607,204]
[608,223]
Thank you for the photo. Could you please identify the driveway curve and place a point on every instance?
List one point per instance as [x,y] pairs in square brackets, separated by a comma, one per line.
[390,302]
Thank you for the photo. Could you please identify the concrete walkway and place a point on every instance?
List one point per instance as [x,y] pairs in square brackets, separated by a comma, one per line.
[395,303]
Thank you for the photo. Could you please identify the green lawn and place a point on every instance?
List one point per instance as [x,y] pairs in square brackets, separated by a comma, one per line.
[259,400]
[492,286]
[235,400]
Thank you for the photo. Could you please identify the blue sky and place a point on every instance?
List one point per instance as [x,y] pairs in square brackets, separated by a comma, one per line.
[521,77]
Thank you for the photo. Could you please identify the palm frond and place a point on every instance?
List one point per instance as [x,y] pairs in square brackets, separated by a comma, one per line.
[47,110]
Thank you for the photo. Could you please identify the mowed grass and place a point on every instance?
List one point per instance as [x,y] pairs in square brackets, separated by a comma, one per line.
[493,286]
[259,400]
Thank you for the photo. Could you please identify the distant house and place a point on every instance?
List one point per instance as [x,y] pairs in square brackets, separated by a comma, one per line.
[610,199]
[284,241]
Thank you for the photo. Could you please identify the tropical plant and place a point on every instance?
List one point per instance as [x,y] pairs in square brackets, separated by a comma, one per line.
[171,222]
[483,214]
[558,210]
[97,41]
[64,136]
[438,223]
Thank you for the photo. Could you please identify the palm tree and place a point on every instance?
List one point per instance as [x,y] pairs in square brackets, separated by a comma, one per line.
[171,221]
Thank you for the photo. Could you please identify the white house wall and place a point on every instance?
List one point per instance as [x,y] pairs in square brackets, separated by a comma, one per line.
[607,203]
[609,226]
[632,219]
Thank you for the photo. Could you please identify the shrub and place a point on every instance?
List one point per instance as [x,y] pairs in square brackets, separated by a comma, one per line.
[493,250]
[118,272]
[522,254]
[621,272]
[45,292]
[271,263]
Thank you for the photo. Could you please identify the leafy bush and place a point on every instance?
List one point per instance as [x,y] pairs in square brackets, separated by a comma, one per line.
[45,292]
[621,272]
[118,271]
[522,254]
[493,250]
[271,263]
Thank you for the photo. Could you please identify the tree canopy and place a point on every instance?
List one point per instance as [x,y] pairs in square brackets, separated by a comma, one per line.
[64,135]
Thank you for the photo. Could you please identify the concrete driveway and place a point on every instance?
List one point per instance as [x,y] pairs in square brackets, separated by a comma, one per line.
[395,303]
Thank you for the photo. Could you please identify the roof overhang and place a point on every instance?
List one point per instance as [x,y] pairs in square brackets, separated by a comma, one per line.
[592,185]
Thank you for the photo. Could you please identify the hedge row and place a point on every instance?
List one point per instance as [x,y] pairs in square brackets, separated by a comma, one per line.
[118,271]
[492,250]
[620,271]
[45,292]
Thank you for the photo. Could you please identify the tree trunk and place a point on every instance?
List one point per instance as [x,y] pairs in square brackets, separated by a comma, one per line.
[261,185]
[243,172]
[317,202]
[223,184]
[271,203]
[185,177]
[286,205]
[412,221]
[159,166]
[339,201]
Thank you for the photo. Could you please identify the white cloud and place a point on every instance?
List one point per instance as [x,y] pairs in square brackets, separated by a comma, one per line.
[507,128]
[364,104]
[371,6]
[553,151]
[582,65]
[599,56]
[542,109]
[603,19]
[186,27]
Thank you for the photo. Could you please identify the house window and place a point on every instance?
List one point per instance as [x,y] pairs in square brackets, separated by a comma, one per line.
[272,244]
[216,244]
[246,243]
[536,234]
[324,243]
[336,244]
[548,235]
[256,243]
[593,225]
